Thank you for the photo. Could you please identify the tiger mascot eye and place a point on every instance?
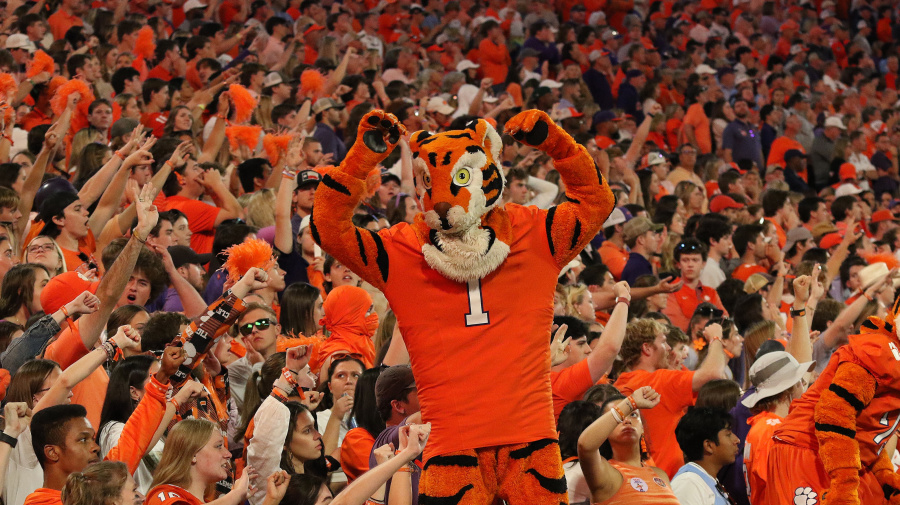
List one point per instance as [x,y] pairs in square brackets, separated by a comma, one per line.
[472,282]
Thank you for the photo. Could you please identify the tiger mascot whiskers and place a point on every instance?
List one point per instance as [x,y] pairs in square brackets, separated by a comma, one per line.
[471,282]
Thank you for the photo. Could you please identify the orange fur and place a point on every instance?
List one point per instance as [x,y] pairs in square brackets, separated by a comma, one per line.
[7,87]
[243,101]
[61,97]
[41,62]
[144,46]
[55,84]
[253,253]
[887,259]
[243,135]
[311,83]
[275,145]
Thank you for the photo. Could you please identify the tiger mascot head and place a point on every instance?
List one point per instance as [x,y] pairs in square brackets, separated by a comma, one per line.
[460,183]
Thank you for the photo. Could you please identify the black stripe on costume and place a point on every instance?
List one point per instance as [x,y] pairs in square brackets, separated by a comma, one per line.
[870,325]
[889,327]
[381,257]
[432,236]
[556,486]
[575,233]
[474,149]
[491,182]
[362,248]
[424,499]
[313,230]
[888,491]
[832,428]
[576,202]
[847,396]
[460,460]
[491,237]
[531,448]
[335,185]
[432,157]
[550,214]
[462,135]
[424,138]
[447,158]
[599,173]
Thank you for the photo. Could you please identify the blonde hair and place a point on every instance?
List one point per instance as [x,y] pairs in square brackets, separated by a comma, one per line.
[263,113]
[183,443]
[260,209]
[98,484]
[638,333]
[385,329]
[573,296]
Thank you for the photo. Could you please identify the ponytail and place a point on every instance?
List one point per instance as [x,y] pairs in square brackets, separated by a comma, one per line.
[98,484]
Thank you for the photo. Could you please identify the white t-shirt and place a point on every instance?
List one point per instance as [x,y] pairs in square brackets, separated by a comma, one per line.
[691,489]
[579,492]
[24,474]
[712,274]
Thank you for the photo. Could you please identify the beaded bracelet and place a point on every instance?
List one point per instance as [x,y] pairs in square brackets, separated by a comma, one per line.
[110,348]
[633,403]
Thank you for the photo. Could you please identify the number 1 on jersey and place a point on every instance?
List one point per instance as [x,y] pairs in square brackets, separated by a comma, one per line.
[477,315]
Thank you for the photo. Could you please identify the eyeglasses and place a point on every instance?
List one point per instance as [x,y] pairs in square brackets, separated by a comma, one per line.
[36,248]
[262,324]
[689,152]
[687,248]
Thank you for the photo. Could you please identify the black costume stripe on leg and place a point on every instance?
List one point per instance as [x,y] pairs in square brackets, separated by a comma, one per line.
[460,460]
[848,397]
[550,214]
[556,486]
[381,257]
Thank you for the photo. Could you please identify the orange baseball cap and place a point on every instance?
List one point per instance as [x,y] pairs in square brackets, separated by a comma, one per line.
[64,288]
[882,215]
[847,171]
[827,242]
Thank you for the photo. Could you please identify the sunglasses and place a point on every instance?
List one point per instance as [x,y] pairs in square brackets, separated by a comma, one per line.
[710,312]
[247,329]
[344,355]
[685,247]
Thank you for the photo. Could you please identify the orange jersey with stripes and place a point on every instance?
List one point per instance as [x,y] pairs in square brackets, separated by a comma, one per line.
[640,486]
[167,494]
[879,354]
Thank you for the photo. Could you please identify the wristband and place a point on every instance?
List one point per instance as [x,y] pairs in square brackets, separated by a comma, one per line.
[65,312]
[279,394]
[798,312]
[8,440]
[617,414]
[622,299]
[867,296]
[110,348]
[174,402]
[634,407]
[119,154]
[201,106]
[135,235]
[289,377]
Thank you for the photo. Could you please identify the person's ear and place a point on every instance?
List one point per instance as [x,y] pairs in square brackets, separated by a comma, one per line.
[647,348]
[398,407]
[59,221]
[52,453]
[135,396]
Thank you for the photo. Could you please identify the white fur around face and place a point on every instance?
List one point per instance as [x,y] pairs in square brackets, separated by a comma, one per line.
[465,257]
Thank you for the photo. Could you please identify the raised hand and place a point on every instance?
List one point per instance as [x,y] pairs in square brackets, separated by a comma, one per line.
[127,338]
[558,347]
[255,278]
[172,358]
[17,417]
[380,132]
[147,213]
[297,358]
[85,303]
[277,485]
[622,289]
[343,405]
[801,290]
[530,127]
[180,154]
[645,397]
[383,453]
[191,389]
[713,332]
[413,439]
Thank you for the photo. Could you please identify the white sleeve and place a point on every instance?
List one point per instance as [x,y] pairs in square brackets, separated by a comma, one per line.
[109,436]
[690,489]
[546,192]
[264,450]
[239,372]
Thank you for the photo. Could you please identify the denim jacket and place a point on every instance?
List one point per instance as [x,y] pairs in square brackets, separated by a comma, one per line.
[30,344]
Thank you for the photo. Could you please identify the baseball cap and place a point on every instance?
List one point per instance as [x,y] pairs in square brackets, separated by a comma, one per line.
[193,4]
[388,177]
[539,92]
[272,79]
[741,79]
[464,65]
[703,68]
[550,83]
[313,28]
[756,282]
[835,122]
[392,383]
[790,24]
[830,240]
[793,153]
[598,53]
[308,178]
[436,48]
[184,255]
[326,103]
[566,113]
[774,373]
[64,288]
[722,202]
[604,116]
[822,229]
[796,235]
[615,217]
[20,41]
[656,158]
[439,105]
[847,171]
[847,189]
[638,226]
[882,215]
[123,126]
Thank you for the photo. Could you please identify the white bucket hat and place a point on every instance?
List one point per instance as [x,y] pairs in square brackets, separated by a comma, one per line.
[774,373]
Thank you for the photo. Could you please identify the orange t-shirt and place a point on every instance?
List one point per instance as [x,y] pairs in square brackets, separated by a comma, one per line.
[201,220]
[167,494]
[569,385]
[66,350]
[745,270]
[676,390]
[756,454]
[86,248]
[641,486]
[613,257]
[60,22]
[355,451]
[780,146]
[44,496]
[495,60]
[156,121]
[696,117]
[444,323]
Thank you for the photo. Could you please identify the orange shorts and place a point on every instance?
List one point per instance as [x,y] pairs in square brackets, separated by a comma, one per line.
[795,473]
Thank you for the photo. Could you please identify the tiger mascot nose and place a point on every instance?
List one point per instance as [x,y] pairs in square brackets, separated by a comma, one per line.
[442,208]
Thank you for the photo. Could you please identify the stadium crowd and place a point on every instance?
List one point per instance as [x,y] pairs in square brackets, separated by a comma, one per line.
[171,333]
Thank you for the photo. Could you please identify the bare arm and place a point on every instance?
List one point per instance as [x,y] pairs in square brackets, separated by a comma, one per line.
[800,346]
[223,198]
[640,136]
[601,359]
[397,353]
[713,366]
[407,179]
[840,254]
[112,195]
[284,235]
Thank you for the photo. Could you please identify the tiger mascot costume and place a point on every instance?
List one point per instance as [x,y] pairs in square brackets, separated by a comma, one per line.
[830,449]
[472,283]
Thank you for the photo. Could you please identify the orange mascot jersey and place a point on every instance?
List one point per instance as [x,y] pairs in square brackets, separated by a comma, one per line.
[472,284]
[832,441]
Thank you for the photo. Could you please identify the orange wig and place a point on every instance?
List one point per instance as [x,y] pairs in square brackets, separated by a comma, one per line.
[254,253]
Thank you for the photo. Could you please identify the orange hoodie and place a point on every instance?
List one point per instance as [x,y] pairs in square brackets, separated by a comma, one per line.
[350,328]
